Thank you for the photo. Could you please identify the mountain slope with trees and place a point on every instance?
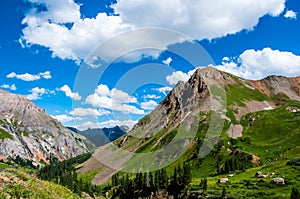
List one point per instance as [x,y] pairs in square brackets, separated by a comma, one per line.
[260,132]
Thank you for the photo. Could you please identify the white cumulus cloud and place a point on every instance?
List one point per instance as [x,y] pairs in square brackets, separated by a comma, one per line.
[176,77]
[290,14]
[199,19]
[63,118]
[36,93]
[114,99]
[257,64]
[168,61]
[164,89]
[30,77]
[66,89]
[179,76]
[48,29]
[150,105]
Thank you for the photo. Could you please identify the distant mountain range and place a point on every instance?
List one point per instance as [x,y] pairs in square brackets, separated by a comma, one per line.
[102,136]
[29,132]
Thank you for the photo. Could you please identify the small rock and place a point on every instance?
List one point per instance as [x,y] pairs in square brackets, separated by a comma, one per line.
[223,180]
[258,173]
[265,175]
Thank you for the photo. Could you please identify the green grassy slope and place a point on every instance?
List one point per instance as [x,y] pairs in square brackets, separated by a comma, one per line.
[244,184]
[22,183]
[271,137]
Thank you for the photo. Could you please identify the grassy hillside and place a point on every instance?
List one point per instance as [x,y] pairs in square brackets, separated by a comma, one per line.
[244,184]
[22,183]
[270,139]
[57,180]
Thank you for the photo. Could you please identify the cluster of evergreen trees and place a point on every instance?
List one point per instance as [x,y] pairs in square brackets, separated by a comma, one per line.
[18,161]
[151,183]
[64,173]
[23,162]
[231,164]
[239,162]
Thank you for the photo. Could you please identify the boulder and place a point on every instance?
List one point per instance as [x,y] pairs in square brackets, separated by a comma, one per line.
[259,174]
[278,181]
[223,180]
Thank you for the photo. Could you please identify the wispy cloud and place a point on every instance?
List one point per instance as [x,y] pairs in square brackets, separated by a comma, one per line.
[149,96]
[108,123]
[30,77]
[11,87]
[89,112]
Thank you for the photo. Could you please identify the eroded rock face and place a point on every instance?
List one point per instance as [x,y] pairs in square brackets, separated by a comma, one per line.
[183,103]
[279,84]
[30,133]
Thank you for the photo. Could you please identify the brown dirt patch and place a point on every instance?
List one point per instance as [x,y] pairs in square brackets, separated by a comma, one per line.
[251,107]
[235,131]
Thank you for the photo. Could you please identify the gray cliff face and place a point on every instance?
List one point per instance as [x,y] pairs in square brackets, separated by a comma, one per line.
[26,130]
[280,84]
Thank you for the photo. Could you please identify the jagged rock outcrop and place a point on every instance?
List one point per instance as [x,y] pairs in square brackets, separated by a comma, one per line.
[27,131]
[184,102]
[274,85]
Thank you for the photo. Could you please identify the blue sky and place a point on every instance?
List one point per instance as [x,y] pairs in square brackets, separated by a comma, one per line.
[46,47]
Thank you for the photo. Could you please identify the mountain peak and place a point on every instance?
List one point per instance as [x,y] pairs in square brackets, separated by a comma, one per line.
[27,131]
